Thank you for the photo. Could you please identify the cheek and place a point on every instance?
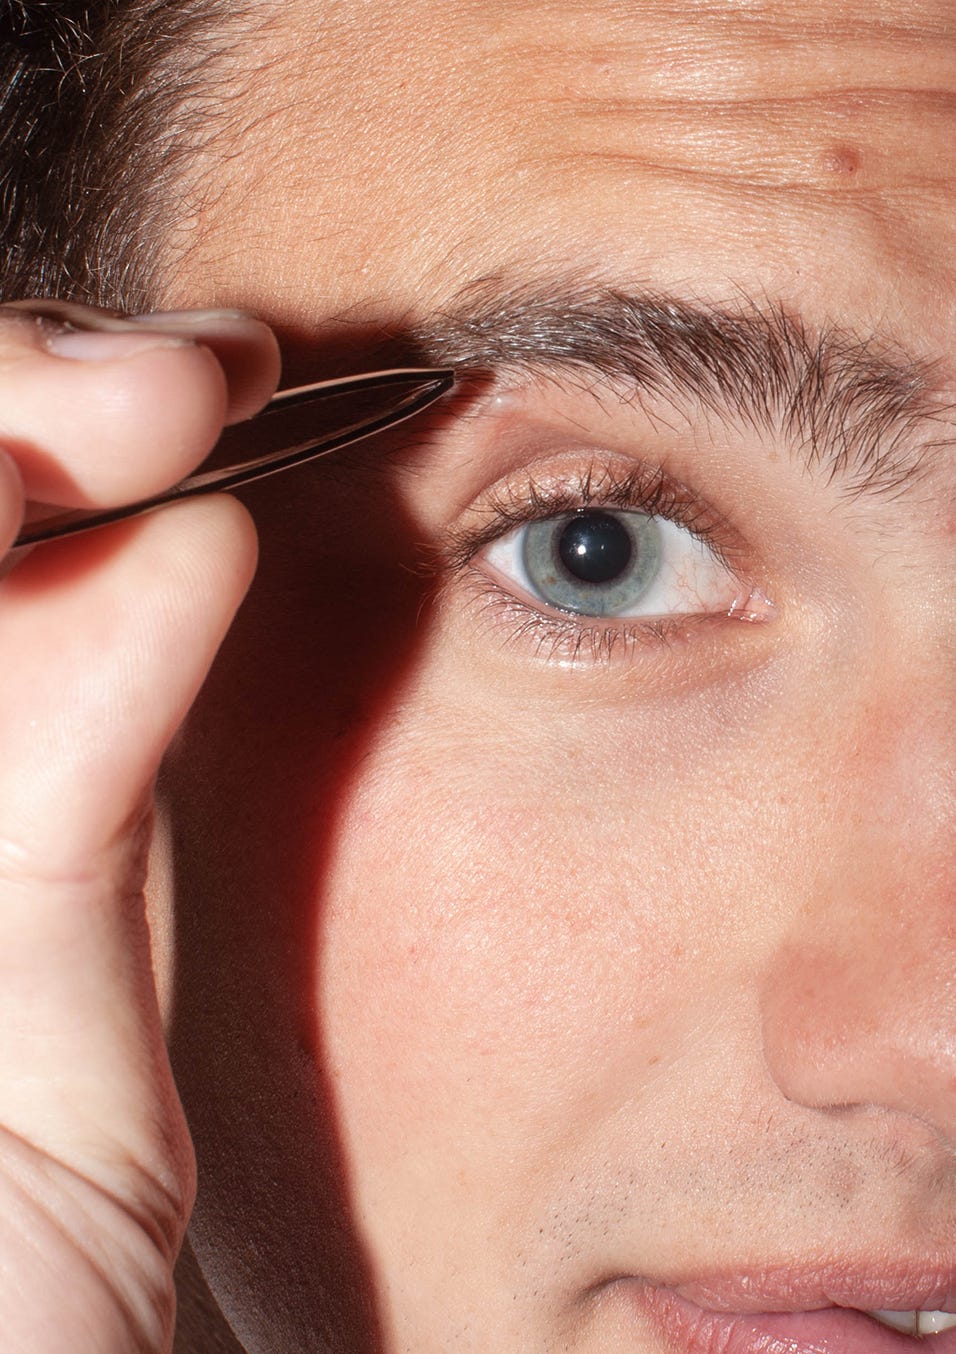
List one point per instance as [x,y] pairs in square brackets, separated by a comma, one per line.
[512,929]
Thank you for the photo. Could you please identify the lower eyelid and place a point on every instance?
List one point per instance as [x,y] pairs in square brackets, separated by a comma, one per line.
[575,640]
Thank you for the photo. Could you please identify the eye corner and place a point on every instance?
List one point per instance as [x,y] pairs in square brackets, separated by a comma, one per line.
[753,607]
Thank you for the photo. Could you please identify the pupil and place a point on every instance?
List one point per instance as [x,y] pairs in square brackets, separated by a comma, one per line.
[595,547]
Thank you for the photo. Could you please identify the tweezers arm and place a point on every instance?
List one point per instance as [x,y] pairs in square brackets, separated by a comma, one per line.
[408,391]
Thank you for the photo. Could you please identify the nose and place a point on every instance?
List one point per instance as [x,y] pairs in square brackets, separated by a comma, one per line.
[859,1001]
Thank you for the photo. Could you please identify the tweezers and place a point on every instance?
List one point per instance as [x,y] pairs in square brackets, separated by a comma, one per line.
[398,394]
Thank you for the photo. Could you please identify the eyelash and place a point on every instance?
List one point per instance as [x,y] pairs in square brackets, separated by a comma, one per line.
[645,490]
[640,490]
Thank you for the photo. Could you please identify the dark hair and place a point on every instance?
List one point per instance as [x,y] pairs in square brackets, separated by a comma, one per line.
[104,104]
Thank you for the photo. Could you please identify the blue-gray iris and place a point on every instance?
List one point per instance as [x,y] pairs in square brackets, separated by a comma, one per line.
[595,562]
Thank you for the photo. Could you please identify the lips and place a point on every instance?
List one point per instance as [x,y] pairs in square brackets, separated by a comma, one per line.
[806,1287]
[826,1310]
[828,1330]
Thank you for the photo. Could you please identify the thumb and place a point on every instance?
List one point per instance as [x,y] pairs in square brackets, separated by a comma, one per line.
[105,641]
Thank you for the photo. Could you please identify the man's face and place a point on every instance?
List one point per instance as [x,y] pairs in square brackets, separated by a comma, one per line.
[565,902]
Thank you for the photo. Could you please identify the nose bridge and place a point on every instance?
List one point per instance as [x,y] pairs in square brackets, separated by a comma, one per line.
[859,1002]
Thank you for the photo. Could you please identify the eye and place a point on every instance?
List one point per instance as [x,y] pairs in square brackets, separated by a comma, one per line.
[610,563]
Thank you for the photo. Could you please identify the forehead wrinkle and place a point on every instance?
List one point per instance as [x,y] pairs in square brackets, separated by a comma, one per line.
[731,50]
[858,411]
[730,91]
[859,141]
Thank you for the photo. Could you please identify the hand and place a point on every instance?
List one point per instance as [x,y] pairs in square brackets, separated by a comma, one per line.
[104,641]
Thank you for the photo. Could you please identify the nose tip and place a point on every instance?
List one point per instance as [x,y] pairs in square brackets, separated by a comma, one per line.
[871,1024]
[858,999]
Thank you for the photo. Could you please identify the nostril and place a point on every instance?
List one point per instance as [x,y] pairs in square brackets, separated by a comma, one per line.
[860,1023]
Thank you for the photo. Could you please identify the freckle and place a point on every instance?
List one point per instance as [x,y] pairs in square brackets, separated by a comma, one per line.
[843,160]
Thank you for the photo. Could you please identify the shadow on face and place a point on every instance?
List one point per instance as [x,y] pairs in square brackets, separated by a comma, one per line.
[319,655]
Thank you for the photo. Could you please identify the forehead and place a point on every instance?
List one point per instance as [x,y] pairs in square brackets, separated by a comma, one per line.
[804,152]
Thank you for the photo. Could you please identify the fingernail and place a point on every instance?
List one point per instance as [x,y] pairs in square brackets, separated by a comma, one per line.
[88,319]
[67,329]
[189,318]
[85,345]
[70,313]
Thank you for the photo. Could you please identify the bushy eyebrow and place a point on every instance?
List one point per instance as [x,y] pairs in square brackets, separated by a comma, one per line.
[858,410]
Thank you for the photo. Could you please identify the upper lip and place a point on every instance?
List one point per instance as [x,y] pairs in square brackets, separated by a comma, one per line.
[893,1286]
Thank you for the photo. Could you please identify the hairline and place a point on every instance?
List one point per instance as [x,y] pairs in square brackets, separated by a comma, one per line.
[109,107]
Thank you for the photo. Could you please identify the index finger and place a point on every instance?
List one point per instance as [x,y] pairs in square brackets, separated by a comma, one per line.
[244,347]
[104,411]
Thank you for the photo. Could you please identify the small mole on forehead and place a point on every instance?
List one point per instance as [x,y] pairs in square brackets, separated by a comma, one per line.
[844,160]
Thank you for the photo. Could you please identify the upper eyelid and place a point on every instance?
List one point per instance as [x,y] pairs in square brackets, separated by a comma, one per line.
[641,488]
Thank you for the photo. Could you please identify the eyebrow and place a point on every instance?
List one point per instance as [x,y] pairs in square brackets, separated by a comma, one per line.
[861,411]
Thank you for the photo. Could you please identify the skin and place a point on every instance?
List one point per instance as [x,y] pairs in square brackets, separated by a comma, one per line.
[499,985]
[569,972]
[96,1169]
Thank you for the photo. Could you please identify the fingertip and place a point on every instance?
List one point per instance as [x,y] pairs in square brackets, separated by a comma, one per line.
[248,351]
[245,347]
[11,501]
[227,542]
[204,549]
[110,432]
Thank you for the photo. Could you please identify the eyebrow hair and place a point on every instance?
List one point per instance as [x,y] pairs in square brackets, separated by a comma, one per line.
[861,411]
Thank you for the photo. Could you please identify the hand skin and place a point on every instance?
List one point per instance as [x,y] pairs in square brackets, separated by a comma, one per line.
[494,979]
[106,639]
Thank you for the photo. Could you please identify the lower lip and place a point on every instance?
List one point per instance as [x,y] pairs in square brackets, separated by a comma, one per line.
[832,1330]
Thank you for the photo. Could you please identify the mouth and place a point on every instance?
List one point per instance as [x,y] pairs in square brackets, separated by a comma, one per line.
[801,1312]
